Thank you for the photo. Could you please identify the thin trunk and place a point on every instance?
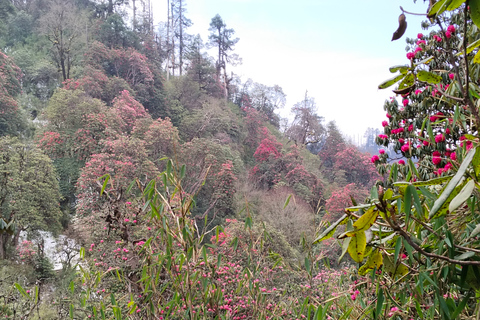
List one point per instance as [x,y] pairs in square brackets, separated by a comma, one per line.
[168,39]
[110,7]
[181,37]
[134,16]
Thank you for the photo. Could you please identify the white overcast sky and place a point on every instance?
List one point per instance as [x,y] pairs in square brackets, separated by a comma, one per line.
[337,50]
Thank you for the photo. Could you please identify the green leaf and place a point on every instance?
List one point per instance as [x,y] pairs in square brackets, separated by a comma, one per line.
[21,290]
[424,61]
[428,77]
[407,82]
[287,201]
[456,114]
[357,246]
[465,255]
[452,184]
[475,231]
[438,8]
[464,194]
[366,220]
[430,182]
[379,306]
[391,82]
[71,311]
[107,177]
[374,260]
[475,13]
[398,247]
[455,4]
[403,69]
[328,233]
[182,171]
[345,244]
[461,306]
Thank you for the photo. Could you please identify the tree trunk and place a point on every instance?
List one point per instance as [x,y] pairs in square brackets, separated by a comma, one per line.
[181,37]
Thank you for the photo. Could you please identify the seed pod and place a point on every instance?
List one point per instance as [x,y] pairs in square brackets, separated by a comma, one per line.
[402,26]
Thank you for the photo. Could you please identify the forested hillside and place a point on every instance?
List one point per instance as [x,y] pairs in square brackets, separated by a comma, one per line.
[177,191]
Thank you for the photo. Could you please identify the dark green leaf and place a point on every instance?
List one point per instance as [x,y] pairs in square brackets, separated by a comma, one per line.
[475,12]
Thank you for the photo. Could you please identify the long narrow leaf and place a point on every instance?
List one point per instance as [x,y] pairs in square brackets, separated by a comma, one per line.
[452,184]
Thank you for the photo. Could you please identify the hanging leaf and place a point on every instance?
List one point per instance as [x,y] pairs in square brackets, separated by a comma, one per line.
[402,26]
[429,77]
[462,196]
[357,246]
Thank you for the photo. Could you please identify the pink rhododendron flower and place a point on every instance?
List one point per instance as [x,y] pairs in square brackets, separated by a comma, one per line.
[451,76]
[375,158]
[389,116]
[381,151]
[405,148]
[402,141]
[384,123]
[451,28]
[410,128]
[453,156]
[420,35]
[448,34]
[436,160]
[439,138]
[418,91]
[401,162]
[405,102]
[410,55]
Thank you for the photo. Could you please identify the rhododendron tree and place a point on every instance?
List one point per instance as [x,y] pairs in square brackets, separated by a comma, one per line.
[417,234]
[74,125]
[29,194]
[357,166]
[202,156]
[10,115]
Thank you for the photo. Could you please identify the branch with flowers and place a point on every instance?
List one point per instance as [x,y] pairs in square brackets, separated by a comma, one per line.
[419,228]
